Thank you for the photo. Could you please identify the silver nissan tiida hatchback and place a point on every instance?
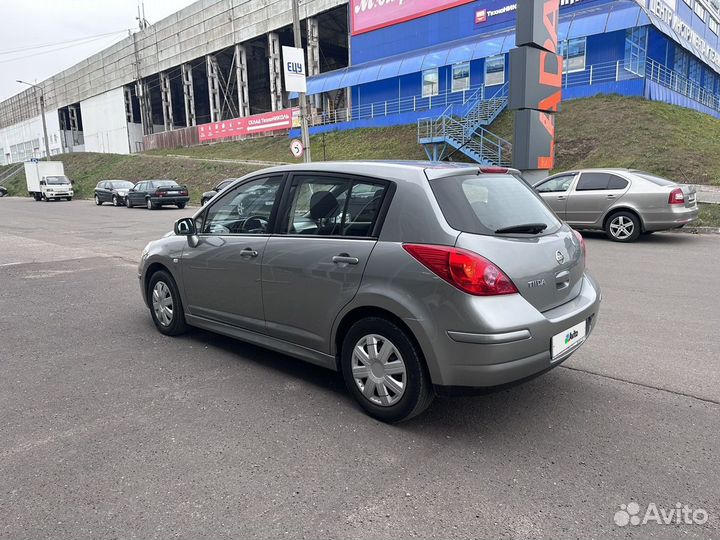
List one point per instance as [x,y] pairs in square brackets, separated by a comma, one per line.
[410,278]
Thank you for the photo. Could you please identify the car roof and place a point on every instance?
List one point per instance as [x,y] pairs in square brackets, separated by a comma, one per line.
[395,169]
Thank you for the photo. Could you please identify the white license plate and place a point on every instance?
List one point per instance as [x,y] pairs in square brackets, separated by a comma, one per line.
[172,192]
[568,339]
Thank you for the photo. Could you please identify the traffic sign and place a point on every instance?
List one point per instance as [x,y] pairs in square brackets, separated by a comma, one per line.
[297,149]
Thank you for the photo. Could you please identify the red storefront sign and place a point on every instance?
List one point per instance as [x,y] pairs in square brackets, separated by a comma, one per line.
[250,125]
[370,15]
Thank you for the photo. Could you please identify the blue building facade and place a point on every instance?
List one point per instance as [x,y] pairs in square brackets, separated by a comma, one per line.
[660,49]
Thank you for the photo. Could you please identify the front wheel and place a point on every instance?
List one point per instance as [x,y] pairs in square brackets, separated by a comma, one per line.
[384,370]
[69,198]
[115,201]
[623,227]
[165,304]
[127,202]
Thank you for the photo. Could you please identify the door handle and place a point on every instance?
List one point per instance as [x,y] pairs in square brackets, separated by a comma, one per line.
[344,258]
[248,252]
[611,196]
[561,197]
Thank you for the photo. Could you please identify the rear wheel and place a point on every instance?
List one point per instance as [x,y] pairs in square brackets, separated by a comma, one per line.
[150,205]
[384,370]
[181,205]
[203,201]
[623,227]
[165,304]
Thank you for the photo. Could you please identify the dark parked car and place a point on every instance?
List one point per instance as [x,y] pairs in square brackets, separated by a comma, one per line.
[113,191]
[214,191]
[3,191]
[156,193]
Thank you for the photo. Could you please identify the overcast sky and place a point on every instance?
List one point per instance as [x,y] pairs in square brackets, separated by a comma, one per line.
[25,24]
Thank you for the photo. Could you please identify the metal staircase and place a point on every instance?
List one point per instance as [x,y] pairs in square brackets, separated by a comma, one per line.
[462,129]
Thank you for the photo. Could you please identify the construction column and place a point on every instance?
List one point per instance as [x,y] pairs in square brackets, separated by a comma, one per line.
[213,88]
[535,86]
[241,76]
[313,55]
[188,94]
[275,71]
[166,101]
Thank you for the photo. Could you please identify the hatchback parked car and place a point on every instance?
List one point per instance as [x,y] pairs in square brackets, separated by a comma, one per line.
[411,279]
[214,191]
[156,193]
[624,203]
[112,191]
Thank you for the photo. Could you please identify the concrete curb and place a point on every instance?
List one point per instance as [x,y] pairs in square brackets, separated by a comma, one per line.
[696,230]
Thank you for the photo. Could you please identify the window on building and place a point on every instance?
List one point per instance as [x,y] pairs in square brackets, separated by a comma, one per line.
[461,77]
[495,70]
[636,50]
[714,25]
[695,71]
[682,61]
[431,83]
[573,53]
[700,10]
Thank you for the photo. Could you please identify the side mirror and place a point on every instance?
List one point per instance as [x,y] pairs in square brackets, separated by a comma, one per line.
[42,182]
[185,227]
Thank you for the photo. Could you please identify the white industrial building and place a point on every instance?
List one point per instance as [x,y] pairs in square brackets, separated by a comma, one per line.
[214,60]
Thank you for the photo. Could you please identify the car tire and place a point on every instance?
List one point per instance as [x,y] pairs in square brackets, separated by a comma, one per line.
[415,389]
[69,198]
[181,205]
[623,226]
[150,205]
[98,202]
[165,304]
[115,201]
[128,204]
[203,201]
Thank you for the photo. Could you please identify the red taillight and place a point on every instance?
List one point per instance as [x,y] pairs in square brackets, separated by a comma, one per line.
[494,170]
[583,246]
[466,270]
[159,194]
[676,196]
[183,193]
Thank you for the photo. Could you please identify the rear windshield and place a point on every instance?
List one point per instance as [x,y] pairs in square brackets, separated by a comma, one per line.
[488,203]
[654,179]
[120,184]
[164,183]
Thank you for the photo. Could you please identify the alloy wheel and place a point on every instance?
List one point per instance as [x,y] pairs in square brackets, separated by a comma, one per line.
[622,227]
[162,302]
[379,370]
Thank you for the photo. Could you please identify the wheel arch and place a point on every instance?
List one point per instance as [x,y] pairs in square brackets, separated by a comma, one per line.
[152,269]
[363,312]
[615,209]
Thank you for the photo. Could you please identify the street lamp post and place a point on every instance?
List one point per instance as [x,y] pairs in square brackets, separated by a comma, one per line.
[42,115]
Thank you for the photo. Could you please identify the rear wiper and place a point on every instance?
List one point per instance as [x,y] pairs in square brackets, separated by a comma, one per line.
[527,228]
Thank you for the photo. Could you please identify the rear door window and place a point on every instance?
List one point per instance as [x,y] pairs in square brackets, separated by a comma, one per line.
[487,203]
[657,180]
[617,183]
[593,182]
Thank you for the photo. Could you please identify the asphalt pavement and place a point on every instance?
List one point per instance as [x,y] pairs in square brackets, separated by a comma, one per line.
[110,430]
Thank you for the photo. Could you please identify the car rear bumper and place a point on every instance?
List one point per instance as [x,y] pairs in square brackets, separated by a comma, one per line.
[482,361]
[671,218]
[169,200]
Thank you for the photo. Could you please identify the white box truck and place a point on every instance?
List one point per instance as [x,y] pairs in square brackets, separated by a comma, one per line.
[46,181]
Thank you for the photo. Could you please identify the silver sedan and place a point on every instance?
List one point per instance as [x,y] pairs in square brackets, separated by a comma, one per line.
[624,203]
